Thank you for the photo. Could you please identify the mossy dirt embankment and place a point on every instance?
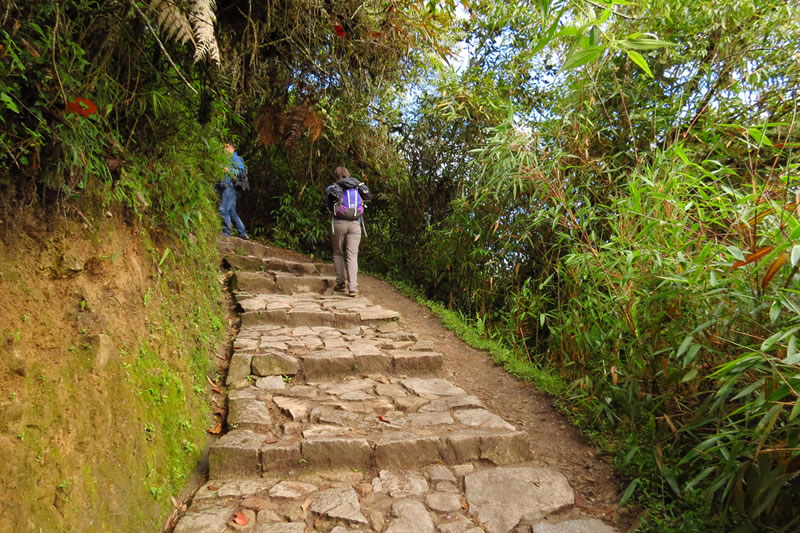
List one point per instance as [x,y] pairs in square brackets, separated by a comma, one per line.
[108,335]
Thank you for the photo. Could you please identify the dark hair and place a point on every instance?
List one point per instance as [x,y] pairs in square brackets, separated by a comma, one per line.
[342,172]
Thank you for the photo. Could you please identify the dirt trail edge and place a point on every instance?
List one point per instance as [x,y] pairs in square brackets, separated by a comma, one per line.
[364,414]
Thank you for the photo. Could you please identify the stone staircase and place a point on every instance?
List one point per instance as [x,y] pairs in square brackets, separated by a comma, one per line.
[338,422]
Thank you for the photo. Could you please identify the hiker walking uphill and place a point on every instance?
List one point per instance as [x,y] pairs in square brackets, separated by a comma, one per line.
[346,203]
[234,178]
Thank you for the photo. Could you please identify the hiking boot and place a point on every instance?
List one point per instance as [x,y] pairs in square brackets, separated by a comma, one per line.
[339,287]
[353,294]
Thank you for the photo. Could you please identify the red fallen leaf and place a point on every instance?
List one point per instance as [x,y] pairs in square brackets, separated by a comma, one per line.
[339,29]
[216,390]
[240,519]
[81,106]
[213,488]
[383,419]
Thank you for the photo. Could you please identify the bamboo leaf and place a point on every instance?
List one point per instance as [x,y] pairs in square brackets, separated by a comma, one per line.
[684,345]
[690,375]
[644,44]
[795,410]
[583,56]
[759,136]
[770,341]
[774,268]
[639,59]
[755,256]
[774,311]
[736,252]
[795,254]
[628,491]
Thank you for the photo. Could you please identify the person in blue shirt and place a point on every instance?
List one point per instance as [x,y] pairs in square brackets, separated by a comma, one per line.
[227,206]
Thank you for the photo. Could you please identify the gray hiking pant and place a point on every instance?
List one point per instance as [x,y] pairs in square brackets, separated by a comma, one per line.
[345,238]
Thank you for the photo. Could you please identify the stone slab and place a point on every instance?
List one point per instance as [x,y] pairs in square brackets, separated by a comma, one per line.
[236,454]
[592,525]
[416,363]
[337,452]
[211,519]
[249,414]
[501,497]
[274,363]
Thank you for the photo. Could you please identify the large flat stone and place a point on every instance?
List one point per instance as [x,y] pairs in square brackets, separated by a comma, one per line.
[310,318]
[411,362]
[400,484]
[210,519]
[292,407]
[338,504]
[271,383]
[335,452]
[501,497]
[505,447]
[254,282]
[592,525]
[243,262]
[435,386]
[461,447]
[406,450]
[328,363]
[280,456]
[252,318]
[235,488]
[375,313]
[452,402]
[291,490]
[410,515]
[481,418]
[274,363]
[239,367]
[249,414]
[236,454]
[443,502]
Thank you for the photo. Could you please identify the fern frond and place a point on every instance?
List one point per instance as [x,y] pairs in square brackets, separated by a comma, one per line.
[315,122]
[203,19]
[173,22]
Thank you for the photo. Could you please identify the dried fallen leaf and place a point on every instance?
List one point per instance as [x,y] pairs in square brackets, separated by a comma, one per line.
[217,429]
[211,382]
[306,505]
[240,519]
[215,389]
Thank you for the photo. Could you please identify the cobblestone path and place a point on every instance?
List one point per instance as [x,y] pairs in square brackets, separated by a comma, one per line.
[338,422]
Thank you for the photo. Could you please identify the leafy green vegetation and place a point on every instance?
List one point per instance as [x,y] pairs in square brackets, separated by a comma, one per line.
[607,190]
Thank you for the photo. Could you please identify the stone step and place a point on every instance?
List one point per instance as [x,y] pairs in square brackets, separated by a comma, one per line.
[368,423]
[239,254]
[310,310]
[281,283]
[251,263]
[325,352]
[463,498]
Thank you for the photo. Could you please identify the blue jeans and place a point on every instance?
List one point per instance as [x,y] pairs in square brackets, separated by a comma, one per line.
[227,210]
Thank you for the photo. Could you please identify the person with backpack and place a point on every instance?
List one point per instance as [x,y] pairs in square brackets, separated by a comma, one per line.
[234,179]
[345,200]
